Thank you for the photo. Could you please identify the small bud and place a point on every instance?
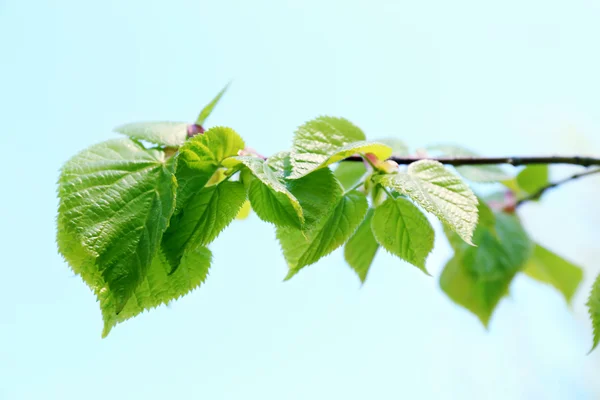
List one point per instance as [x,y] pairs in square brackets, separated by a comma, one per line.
[389,166]
[193,130]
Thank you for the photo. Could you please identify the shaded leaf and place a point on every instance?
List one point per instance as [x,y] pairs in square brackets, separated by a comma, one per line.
[208,212]
[547,267]
[403,230]
[438,191]
[116,199]
[163,133]
[303,248]
[326,140]
[360,250]
[350,173]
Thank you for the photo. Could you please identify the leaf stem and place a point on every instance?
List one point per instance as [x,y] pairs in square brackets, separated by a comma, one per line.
[542,190]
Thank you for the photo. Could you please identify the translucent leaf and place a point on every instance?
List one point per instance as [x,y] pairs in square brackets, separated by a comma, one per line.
[475,173]
[208,109]
[440,192]
[478,277]
[244,211]
[270,198]
[360,250]
[170,134]
[403,230]
[200,157]
[116,198]
[593,304]
[207,213]
[326,140]
[158,287]
[547,267]
[302,248]
[350,173]
[532,178]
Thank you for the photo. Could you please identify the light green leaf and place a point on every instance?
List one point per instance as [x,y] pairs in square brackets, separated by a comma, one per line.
[593,304]
[270,198]
[399,148]
[360,250]
[326,140]
[170,134]
[200,157]
[440,192]
[208,109]
[547,267]
[532,178]
[116,198]
[475,173]
[303,248]
[350,173]
[244,211]
[158,287]
[403,230]
[478,277]
[207,213]
[281,163]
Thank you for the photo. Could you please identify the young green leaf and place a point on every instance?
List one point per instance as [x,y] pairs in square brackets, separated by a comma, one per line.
[200,157]
[475,173]
[532,178]
[270,198]
[548,267]
[117,197]
[170,134]
[208,109]
[438,191]
[402,229]
[478,277]
[593,304]
[360,250]
[303,248]
[349,173]
[207,213]
[326,140]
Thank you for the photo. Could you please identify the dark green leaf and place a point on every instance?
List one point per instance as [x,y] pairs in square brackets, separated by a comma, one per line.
[402,229]
[360,250]
[350,173]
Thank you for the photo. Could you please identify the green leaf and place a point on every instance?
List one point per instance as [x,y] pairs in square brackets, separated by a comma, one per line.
[475,173]
[208,109]
[116,198]
[270,198]
[438,191]
[532,178]
[350,173]
[360,250]
[326,140]
[200,157]
[170,134]
[547,267]
[244,211]
[403,230]
[593,304]
[158,287]
[303,248]
[399,148]
[281,163]
[478,277]
[207,213]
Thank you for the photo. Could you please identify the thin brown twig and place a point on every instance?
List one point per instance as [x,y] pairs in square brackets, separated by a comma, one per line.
[514,161]
[542,190]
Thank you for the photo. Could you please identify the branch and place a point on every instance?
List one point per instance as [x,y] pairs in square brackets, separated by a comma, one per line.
[542,190]
[514,161]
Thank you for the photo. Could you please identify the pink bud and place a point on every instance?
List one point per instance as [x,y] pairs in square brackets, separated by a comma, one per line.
[195,129]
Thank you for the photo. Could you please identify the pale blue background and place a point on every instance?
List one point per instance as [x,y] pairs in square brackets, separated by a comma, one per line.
[505,77]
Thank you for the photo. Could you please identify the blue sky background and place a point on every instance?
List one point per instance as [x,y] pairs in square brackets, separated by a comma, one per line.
[507,77]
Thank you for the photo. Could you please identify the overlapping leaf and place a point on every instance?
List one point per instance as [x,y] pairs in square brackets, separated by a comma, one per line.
[326,140]
[438,191]
[402,229]
[548,267]
[360,250]
[200,157]
[207,213]
[116,198]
